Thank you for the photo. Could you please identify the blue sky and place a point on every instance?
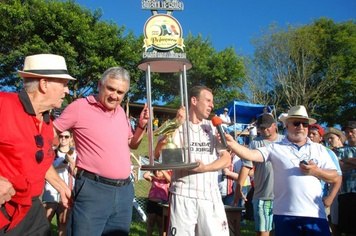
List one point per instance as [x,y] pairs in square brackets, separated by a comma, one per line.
[229,22]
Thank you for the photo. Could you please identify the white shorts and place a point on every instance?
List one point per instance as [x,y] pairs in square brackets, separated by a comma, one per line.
[190,216]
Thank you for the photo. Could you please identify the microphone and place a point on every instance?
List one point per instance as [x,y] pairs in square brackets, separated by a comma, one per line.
[217,123]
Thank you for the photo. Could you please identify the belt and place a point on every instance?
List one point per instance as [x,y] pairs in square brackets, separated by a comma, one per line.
[115,182]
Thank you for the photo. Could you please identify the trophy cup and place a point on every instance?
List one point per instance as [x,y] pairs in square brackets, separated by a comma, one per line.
[163,33]
[171,154]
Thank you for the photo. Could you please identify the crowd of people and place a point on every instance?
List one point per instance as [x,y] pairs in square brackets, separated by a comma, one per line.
[300,186]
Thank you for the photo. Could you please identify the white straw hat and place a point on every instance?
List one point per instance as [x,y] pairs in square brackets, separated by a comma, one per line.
[298,112]
[45,66]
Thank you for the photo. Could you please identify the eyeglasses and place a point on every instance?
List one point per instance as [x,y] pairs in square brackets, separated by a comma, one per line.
[64,136]
[39,154]
[297,123]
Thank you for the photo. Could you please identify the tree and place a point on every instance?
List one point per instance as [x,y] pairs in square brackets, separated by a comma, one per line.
[303,65]
[88,44]
[221,71]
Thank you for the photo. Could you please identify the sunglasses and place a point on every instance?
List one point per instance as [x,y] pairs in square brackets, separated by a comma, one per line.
[39,154]
[64,136]
[297,123]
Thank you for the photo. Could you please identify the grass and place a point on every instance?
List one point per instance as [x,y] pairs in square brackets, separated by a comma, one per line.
[139,228]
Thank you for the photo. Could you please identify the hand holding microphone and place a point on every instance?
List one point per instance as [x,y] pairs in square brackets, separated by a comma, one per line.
[217,123]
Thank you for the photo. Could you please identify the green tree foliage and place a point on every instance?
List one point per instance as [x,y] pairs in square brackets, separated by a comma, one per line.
[221,71]
[311,65]
[88,44]
[91,45]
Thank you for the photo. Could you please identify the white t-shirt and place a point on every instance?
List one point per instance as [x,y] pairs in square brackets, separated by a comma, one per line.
[204,146]
[283,115]
[252,129]
[65,175]
[296,194]
[225,118]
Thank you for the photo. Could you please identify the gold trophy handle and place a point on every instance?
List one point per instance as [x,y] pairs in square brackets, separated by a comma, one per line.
[167,128]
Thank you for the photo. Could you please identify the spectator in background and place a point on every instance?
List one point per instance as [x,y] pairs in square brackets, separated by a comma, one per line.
[226,179]
[265,111]
[26,152]
[329,191]
[64,163]
[334,137]
[347,194]
[283,114]
[133,122]
[158,193]
[155,123]
[226,121]
[263,178]
[252,128]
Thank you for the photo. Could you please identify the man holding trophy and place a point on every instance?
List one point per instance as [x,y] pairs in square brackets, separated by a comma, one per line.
[196,207]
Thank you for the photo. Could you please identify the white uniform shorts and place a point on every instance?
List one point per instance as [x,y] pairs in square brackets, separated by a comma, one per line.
[190,216]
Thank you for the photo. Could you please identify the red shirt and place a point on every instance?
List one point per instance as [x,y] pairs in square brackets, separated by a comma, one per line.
[18,146]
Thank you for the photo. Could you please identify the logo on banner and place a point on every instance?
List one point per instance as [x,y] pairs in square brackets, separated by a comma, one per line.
[163,32]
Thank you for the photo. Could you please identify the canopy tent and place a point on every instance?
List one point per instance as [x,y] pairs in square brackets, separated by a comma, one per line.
[242,112]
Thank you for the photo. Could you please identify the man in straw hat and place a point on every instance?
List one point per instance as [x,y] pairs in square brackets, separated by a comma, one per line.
[103,136]
[334,137]
[225,119]
[298,165]
[26,152]
[347,195]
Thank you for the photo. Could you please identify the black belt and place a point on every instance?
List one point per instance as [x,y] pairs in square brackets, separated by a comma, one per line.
[115,182]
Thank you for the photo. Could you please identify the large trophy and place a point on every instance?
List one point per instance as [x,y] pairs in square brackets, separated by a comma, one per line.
[163,33]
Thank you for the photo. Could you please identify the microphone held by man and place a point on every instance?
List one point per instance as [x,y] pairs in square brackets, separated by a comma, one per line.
[217,123]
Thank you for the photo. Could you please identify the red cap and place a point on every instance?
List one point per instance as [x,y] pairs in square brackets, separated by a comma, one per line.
[216,121]
[317,128]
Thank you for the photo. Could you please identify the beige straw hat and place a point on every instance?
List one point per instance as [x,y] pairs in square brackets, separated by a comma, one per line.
[298,111]
[45,66]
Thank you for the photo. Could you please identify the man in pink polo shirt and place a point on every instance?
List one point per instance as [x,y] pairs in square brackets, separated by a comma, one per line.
[103,136]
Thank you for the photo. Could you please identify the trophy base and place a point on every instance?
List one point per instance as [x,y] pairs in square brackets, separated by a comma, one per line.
[170,166]
[172,156]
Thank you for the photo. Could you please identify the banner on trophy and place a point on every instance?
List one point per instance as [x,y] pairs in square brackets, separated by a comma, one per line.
[163,32]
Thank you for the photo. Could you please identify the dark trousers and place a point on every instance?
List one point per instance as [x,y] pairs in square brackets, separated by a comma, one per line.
[35,223]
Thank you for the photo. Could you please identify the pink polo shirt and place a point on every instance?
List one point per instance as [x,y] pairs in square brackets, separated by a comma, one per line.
[101,138]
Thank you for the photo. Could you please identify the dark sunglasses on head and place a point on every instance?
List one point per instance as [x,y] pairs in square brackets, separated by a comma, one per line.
[64,136]
[39,154]
[297,123]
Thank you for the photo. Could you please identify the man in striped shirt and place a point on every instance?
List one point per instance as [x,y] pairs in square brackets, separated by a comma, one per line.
[196,206]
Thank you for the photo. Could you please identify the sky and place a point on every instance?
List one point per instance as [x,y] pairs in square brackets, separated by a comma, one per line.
[231,22]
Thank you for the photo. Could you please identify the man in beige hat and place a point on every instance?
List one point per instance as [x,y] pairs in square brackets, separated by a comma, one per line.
[334,137]
[298,165]
[26,152]
[225,119]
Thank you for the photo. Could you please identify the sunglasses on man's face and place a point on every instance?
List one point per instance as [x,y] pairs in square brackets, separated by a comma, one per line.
[297,123]
[64,136]
[39,154]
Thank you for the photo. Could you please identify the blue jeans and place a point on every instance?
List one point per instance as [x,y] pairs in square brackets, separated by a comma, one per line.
[100,209]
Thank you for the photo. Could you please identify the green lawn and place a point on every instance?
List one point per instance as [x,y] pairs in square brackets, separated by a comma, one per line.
[139,229]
